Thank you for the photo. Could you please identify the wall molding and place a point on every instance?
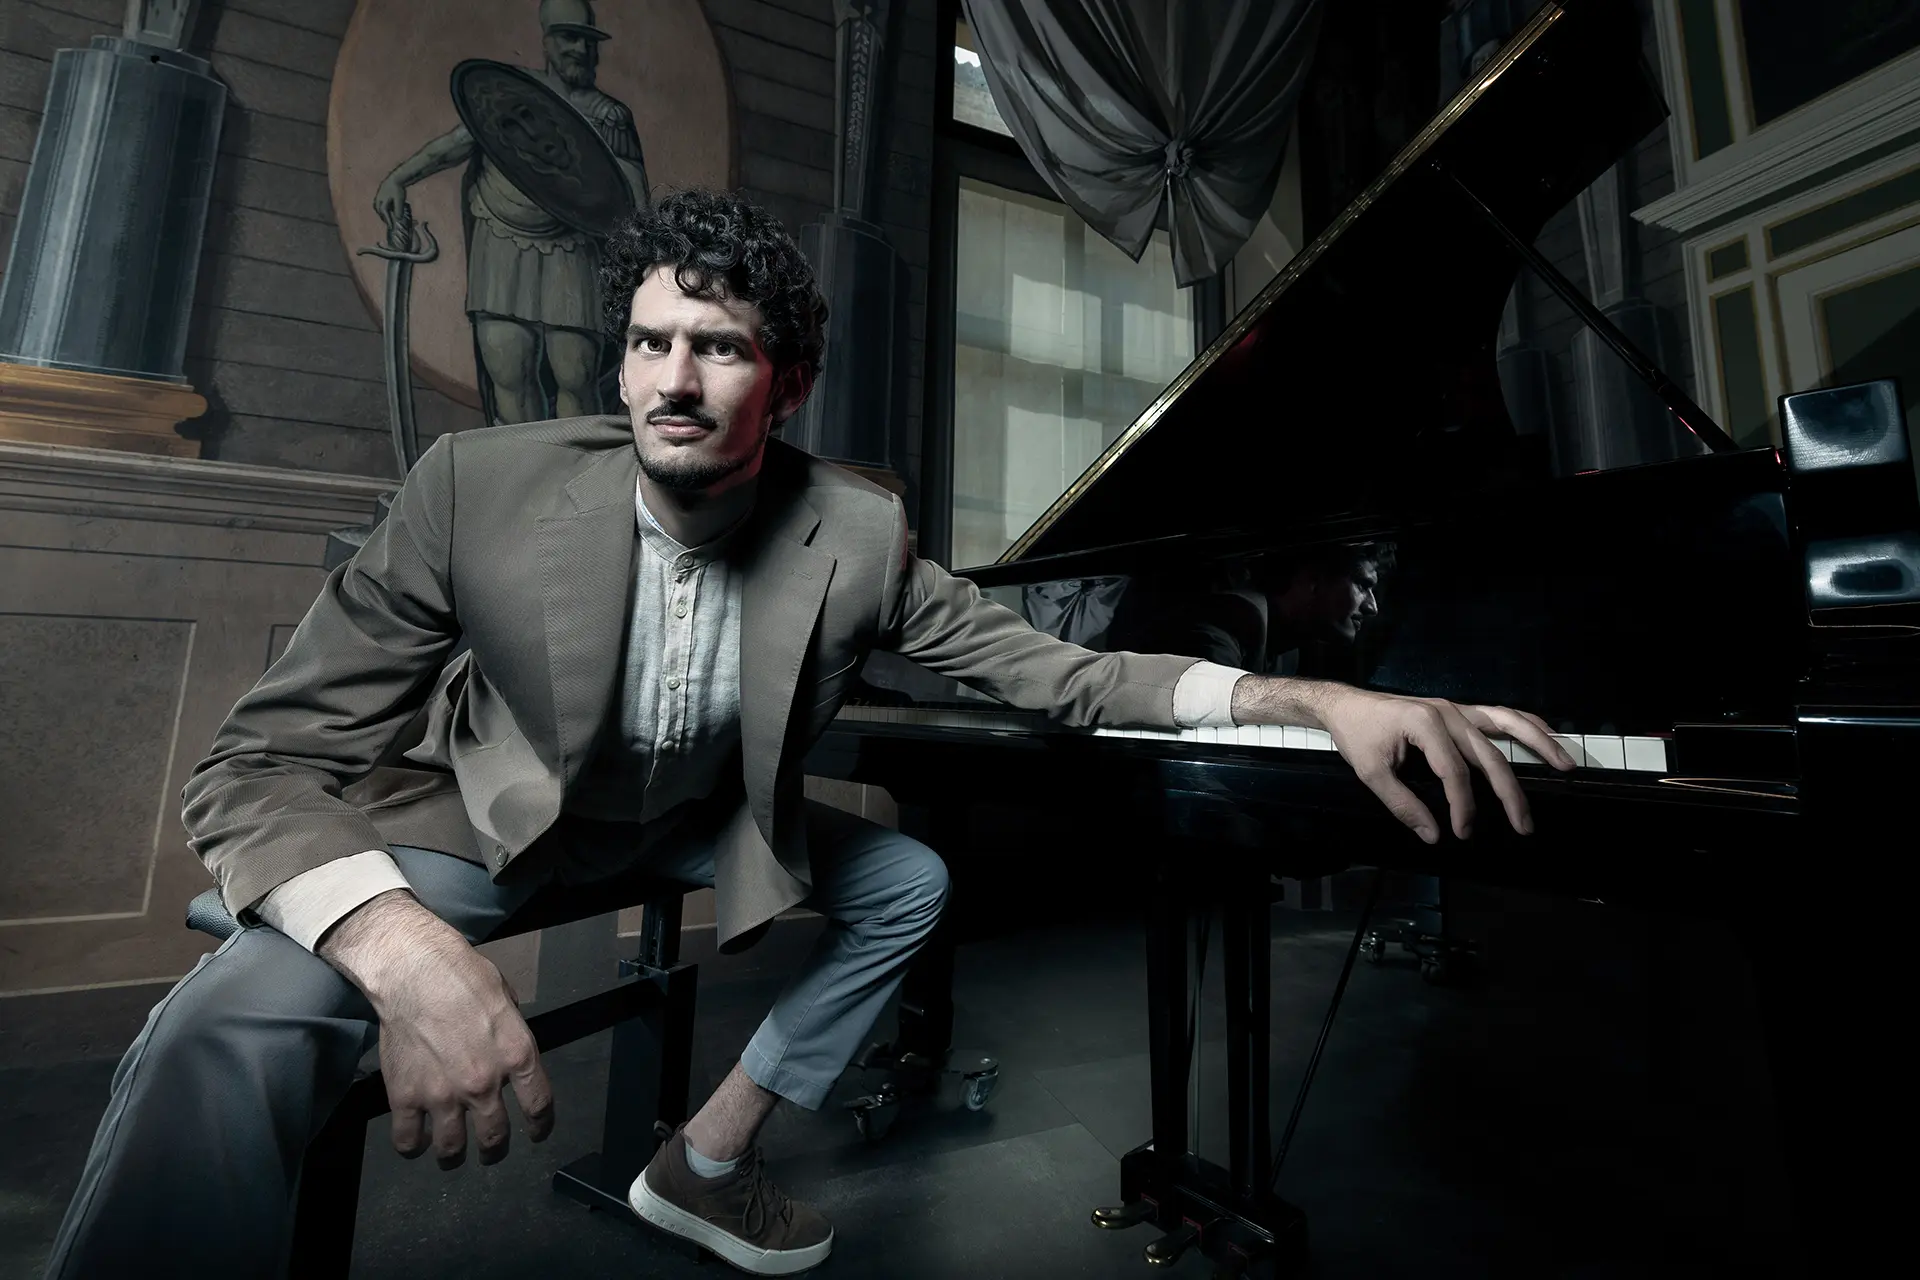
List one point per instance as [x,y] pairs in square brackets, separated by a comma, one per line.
[1872,110]
[100,484]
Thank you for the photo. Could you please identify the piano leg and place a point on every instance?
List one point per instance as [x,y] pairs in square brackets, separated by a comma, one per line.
[1248,928]
[1230,1214]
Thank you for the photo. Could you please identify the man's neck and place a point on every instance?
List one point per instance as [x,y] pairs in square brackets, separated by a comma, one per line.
[695,518]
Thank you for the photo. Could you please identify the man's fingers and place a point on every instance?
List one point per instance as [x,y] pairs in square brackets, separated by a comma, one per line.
[1499,773]
[410,1132]
[1529,731]
[1436,744]
[449,1134]
[491,1131]
[535,1094]
[1401,802]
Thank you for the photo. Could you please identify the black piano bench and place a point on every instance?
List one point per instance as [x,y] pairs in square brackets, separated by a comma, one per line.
[647,1079]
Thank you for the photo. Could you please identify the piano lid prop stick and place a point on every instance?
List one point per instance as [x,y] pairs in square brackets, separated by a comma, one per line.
[1691,415]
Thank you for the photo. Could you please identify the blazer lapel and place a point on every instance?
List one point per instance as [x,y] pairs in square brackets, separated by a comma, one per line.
[784,586]
[586,557]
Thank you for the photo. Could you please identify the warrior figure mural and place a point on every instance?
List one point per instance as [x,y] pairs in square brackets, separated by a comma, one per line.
[552,163]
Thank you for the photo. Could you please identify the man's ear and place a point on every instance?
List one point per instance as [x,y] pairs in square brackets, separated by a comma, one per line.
[791,392]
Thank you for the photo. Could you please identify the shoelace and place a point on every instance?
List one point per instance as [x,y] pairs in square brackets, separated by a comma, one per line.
[763,1198]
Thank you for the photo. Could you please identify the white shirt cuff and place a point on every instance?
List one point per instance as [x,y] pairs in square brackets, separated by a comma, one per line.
[1203,696]
[311,903]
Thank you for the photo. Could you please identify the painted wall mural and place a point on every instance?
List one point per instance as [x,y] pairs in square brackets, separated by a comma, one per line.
[479,151]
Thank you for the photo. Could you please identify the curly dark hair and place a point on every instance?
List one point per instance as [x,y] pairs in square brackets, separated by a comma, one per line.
[719,244]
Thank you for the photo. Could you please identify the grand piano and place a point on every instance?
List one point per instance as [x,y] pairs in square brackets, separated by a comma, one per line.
[1727,639]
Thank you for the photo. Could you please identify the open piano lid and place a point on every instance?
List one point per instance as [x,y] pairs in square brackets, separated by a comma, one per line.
[1361,382]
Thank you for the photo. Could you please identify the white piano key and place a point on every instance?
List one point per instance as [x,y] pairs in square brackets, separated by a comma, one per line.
[1647,755]
[1605,751]
[1295,737]
[1271,735]
[1249,735]
[1504,746]
[1523,754]
[1574,745]
[1318,739]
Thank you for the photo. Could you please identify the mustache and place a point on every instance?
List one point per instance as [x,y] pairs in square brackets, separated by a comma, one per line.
[692,413]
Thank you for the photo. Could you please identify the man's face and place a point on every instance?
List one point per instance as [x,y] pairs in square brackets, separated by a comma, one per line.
[1346,601]
[699,387]
[1330,603]
[574,57]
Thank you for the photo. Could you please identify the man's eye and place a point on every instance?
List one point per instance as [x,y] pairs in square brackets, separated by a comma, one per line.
[725,350]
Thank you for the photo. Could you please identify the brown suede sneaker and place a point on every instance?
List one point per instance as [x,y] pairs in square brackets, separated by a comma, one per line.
[741,1217]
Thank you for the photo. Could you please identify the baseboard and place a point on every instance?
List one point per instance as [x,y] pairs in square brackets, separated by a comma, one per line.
[71,1026]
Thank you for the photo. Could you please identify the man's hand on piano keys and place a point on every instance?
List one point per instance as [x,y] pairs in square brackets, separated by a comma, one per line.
[1372,732]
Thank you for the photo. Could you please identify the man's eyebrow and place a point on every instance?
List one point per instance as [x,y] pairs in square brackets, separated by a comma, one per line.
[738,337]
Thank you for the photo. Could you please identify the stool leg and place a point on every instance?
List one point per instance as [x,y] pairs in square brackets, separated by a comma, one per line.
[649,1071]
[329,1195]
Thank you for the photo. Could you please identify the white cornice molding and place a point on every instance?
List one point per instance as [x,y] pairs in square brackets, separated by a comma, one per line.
[1876,109]
[102,483]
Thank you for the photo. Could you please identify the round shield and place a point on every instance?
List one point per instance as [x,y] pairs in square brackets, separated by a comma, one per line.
[542,144]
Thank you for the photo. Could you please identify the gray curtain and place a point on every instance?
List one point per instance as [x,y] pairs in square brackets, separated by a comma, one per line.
[1125,104]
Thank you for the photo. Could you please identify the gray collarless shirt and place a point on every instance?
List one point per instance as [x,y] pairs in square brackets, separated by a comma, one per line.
[678,694]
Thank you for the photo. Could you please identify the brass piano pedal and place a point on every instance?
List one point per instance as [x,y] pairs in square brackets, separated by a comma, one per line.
[1166,1251]
[1120,1217]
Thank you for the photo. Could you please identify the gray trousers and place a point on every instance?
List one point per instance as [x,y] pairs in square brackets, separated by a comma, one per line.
[241,1063]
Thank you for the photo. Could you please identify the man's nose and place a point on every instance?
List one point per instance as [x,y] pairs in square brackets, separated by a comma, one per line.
[679,375]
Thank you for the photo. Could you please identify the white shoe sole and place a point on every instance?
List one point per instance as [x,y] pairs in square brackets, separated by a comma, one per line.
[674,1220]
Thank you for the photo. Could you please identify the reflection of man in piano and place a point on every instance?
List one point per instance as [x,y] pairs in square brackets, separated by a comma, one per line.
[664,610]
[1262,614]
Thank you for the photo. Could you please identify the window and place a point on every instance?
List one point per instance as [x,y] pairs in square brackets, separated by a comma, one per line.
[972,103]
[1059,342]
[1044,341]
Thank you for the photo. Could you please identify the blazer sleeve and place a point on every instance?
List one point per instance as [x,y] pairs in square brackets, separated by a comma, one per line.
[943,623]
[265,804]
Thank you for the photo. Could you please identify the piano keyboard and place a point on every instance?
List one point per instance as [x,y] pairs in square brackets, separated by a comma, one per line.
[1632,754]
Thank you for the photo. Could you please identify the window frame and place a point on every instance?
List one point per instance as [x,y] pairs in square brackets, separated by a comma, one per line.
[963,150]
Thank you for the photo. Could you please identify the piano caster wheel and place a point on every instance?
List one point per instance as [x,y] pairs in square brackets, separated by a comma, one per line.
[1167,1250]
[1449,966]
[1233,1266]
[980,1086]
[1120,1217]
[874,1114]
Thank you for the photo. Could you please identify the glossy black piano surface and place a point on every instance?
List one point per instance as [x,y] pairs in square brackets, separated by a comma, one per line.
[1356,403]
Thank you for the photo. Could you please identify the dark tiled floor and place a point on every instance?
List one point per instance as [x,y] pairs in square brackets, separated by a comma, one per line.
[1594,1109]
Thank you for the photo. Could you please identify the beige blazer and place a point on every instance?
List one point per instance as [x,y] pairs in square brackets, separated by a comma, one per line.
[520,540]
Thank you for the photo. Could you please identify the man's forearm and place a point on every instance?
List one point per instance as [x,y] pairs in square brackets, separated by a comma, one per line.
[1283,700]
[379,943]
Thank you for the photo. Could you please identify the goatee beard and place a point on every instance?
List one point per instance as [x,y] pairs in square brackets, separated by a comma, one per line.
[684,471]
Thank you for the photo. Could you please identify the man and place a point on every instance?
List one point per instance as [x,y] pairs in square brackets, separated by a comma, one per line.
[663,612]
[532,290]
[1261,617]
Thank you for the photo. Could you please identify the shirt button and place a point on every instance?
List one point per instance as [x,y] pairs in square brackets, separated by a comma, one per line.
[686,562]
[673,682]
[681,612]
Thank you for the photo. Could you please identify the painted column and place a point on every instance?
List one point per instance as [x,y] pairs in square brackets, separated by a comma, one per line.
[99,285]
[849,415]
